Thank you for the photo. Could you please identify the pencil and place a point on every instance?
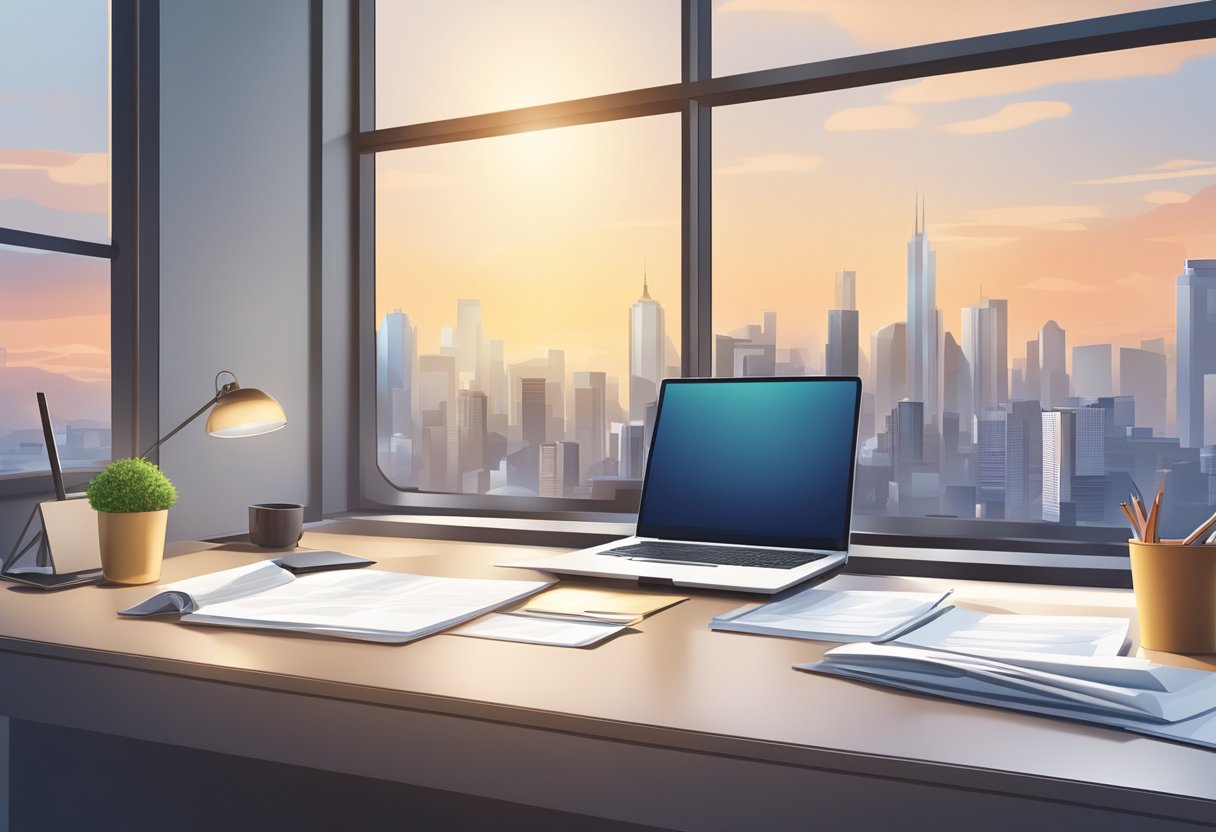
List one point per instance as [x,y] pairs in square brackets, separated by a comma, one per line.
[1131,521]
[1199,532]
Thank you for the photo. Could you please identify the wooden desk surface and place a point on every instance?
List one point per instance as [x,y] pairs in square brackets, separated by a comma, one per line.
[673,684]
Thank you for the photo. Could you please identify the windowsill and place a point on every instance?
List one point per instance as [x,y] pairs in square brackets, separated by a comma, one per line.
[867,559]
[38,483]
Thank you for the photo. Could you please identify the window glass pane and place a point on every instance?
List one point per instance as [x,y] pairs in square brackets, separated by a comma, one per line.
[762,34]
[1003,257]
[54,339]
[527,305]
[54,118]
[439,59]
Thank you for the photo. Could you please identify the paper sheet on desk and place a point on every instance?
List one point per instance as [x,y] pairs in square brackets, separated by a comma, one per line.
[367,604]
[834,615]
[529,629]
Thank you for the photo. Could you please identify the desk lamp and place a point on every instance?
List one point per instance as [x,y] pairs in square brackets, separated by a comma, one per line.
[239,411]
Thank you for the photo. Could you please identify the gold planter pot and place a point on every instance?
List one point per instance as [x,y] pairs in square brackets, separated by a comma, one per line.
[132,545]
[1175,590]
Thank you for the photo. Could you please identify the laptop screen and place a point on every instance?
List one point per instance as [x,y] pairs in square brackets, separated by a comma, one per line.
[759,461]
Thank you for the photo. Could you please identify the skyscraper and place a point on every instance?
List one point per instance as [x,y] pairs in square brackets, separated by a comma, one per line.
[907,437]
[394,378]
[1059,454]
[1023,459]
[1142,376]
[991,438]
[1033,387]
[1053,375]
[534,413]
[472,418]
[558,469]
[888,353]
[981,333]
[841,351]
[957,397]
[468,342]
[1091,371]
[846,289]
[440,433]
[590,424]
[1196,333]
[647,342]
[923,330]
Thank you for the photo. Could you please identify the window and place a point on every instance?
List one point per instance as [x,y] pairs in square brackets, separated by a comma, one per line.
[54,231]
[1008,237]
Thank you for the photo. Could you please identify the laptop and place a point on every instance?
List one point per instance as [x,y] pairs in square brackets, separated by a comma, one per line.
[749,487]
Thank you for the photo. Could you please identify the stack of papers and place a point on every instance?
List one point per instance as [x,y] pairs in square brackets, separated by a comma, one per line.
[995,635]
[367,604]
[835,615]
[1130,693]
[569,617]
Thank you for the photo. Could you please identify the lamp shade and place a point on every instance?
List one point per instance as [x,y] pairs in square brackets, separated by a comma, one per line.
[245,411]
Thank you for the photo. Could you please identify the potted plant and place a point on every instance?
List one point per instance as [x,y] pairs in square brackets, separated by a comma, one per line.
[132,498]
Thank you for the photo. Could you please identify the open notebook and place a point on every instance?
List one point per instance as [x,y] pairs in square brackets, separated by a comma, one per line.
[365,604]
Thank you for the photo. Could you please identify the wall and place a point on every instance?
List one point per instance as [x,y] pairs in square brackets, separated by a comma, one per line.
[234,268]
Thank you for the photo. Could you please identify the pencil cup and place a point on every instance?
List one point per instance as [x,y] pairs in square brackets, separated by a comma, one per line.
[1175,590]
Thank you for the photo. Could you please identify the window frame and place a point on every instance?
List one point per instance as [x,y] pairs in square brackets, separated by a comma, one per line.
[132,251]
[695,97]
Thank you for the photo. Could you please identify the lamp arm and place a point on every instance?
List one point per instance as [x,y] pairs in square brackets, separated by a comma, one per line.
[188,420]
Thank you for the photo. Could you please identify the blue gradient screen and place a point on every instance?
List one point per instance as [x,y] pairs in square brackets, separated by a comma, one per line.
[767,462]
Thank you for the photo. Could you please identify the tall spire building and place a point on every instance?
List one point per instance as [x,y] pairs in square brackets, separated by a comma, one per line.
[647,340]
[923,320]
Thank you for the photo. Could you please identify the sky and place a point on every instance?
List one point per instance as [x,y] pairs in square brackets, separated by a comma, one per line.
[1075,188]
[54,179]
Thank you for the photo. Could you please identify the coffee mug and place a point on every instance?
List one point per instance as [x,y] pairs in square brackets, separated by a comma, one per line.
[276,525]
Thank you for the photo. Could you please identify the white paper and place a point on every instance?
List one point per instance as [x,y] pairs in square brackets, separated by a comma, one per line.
[367,604]
[195,593]
[532,629]
[834,615]
[1152,692]
[978,633]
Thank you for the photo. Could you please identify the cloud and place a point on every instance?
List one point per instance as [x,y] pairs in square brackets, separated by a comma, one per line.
[1046,217]
[1166,197]
[884,25]
[773,163]
[1059,284]
[882,117]
[1012,80]
[54,179]
[1176,164]
[1152,175]
[394,179]
[1011,117]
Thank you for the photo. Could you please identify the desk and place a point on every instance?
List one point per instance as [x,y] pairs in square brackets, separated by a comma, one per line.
[673,727]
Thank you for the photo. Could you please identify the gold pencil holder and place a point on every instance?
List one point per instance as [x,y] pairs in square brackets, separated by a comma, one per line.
[1175,589]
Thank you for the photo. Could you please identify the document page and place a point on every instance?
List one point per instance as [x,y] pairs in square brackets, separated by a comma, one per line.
[978,633]
[529,629]
[834,615]
[368,604]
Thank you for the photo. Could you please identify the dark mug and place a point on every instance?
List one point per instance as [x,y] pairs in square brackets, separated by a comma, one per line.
[276,525]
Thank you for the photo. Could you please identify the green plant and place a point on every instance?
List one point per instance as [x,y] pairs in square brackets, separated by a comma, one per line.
[130,485]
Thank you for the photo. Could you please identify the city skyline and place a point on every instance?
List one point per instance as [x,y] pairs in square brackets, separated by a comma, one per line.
[1048,433]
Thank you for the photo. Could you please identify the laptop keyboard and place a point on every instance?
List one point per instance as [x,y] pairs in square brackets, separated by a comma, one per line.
[717,555]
